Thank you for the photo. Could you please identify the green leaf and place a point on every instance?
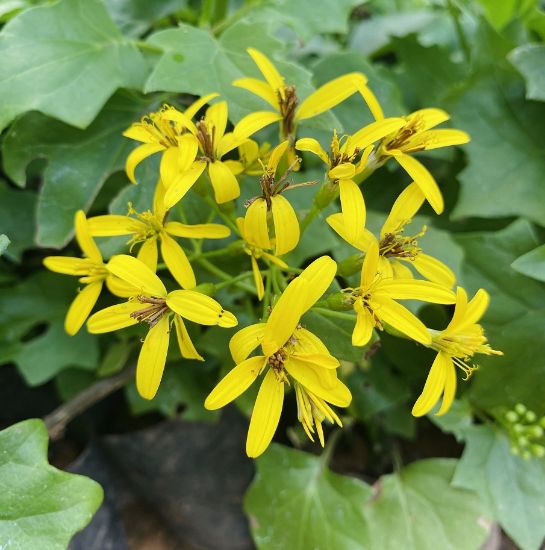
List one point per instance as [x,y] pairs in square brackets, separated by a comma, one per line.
[296,502]
[4,243]
[40,506]
[70,59]
[530,62]
[79,162]
[532,264]
[513,488]
[501,13]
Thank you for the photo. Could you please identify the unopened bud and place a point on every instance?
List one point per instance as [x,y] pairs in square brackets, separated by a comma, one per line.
[530,416]
[338,302]
[537,431]
[511,416]
[236,247]
[520,409]
[527,455]
[206,288]
[523,441]
[538,450]
[349,265]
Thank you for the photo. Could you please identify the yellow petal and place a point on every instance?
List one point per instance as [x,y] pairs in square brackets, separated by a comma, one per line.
[434,386]
[329,95]
[353,210]
[370,264]
[459,310]
[336,222]
[429,118]
[245,341]
[258,279]
[223,181]
[307,342]
[226,144]
[266,415]
[81,307]
[435,139]
[177,262]
[450,390]
[148,253]
[139,132]
[274,260]
[198,231]
[188,147]
[268,70]
[180,118]
[285,315]
[67,265]
[387,268]
[187,349]
[312,146]
[136,156]
[196,106]
[159,209]
[319,276]
[138,274]
[375,131]
[217,116]
[420,174]
[199,308]
[398,269]
[183,184]
[286,225]
[252,123]
[168,167]
[343,171]
[256,229]
[234,383]
[113,225]
[413,289]
[434,270]
[114,317]
[276,155]
[405,207]
[473,312]
[85,241]
[371,101]
[152,359]
[259,88]
[364,327]
[120,288]
[322,360]
[400,318]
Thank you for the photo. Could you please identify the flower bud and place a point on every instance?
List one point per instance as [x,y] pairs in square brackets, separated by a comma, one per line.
[520,409]
[530,416]
[538,450]
[350,265]
[338,302]
[511,416]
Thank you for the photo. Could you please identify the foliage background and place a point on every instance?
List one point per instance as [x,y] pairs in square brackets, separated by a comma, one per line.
[75,73]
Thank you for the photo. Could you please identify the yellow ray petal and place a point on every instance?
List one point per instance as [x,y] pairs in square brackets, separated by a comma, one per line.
[152,359]
[434,386]
[435,139]
[188,147]
[148,253]
[196,106]
[159,209]
[234,383]
[343,171]
[321,360]
[81,306]
[113,317]
[276,155]
[387,268]
[273,259]
[252,123]
[353,210]
[112,225]
[180,118]
[183,184]
[168,167]
[199,308]
[286,225]
[139,132]
[370,264]
[258,279]
[474,311]
[256,229]
[459,310]
[421,176]
[260,89]
[85,241]
[336,222]
[375,131]
[223,181]
[450,390]
[371,101]
[364,327]
[405,207]
[429,118]
[319,275]
[267,69]
[245,341]
[307,342]
[400,318]
[67,265]
[136,156]
[217,116]
[329,95]
[312,146]
[138,274]
[434,270]
[187,349]
[398,269]
[413,289]
[266,415]
[339,395]
[118,287]
[177,262]
[198,231]
[226,144]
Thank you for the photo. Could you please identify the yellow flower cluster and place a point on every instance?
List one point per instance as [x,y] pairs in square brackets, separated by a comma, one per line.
[394,268]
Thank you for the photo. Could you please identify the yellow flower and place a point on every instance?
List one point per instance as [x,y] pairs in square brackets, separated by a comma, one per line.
[252,156]
[149,228]
[396,249]
[256,253]
[456,345]
[283,98]
[91,270]
[152,304]
[291,354]
[416,135]
[157,133]
[210,138]
[375,301]
[273,209]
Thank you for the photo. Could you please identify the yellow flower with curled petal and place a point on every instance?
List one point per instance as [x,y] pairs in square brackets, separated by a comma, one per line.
[158,132]
[416,135]
[272,210]
[396,249]
[456,346]
[213,143]
[256,253]
[153,228]
[291,354]
[283,98]
[252,156]
[91,270]
[374,301]
[152,304]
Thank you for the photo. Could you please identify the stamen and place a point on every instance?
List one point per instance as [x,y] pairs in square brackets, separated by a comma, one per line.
[153,313]
[288,103]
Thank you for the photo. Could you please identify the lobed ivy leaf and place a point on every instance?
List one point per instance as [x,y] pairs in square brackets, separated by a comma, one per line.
[40,506]
[529,60]
[532,264]
[65,60]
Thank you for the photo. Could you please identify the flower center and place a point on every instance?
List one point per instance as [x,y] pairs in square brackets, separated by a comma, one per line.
[163,131]
[154,311]
[398,246]
[276,363]
[153,226]
[206,134]
[288,103]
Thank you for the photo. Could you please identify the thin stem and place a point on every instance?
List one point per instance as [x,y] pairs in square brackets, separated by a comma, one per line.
[209,254]
[455,15]
[223,275]
[212,203]
[311,215]
[334,314]
[330,446]
[267,297]
[234,280]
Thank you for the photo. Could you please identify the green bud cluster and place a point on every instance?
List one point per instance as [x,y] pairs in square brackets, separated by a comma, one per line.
[525,431]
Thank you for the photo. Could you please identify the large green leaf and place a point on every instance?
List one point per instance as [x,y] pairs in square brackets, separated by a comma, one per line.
[513,488]
[530,61]
[65,60]
[40,506]
[296,502]
[532,264]
[79,162]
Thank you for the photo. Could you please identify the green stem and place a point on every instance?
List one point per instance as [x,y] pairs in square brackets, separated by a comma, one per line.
[209,254]
[455,15]
[267,297]
[239,14]
[212,203]
[334,314]
[330,446]
[234,280]
[223,275]
[311,215]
